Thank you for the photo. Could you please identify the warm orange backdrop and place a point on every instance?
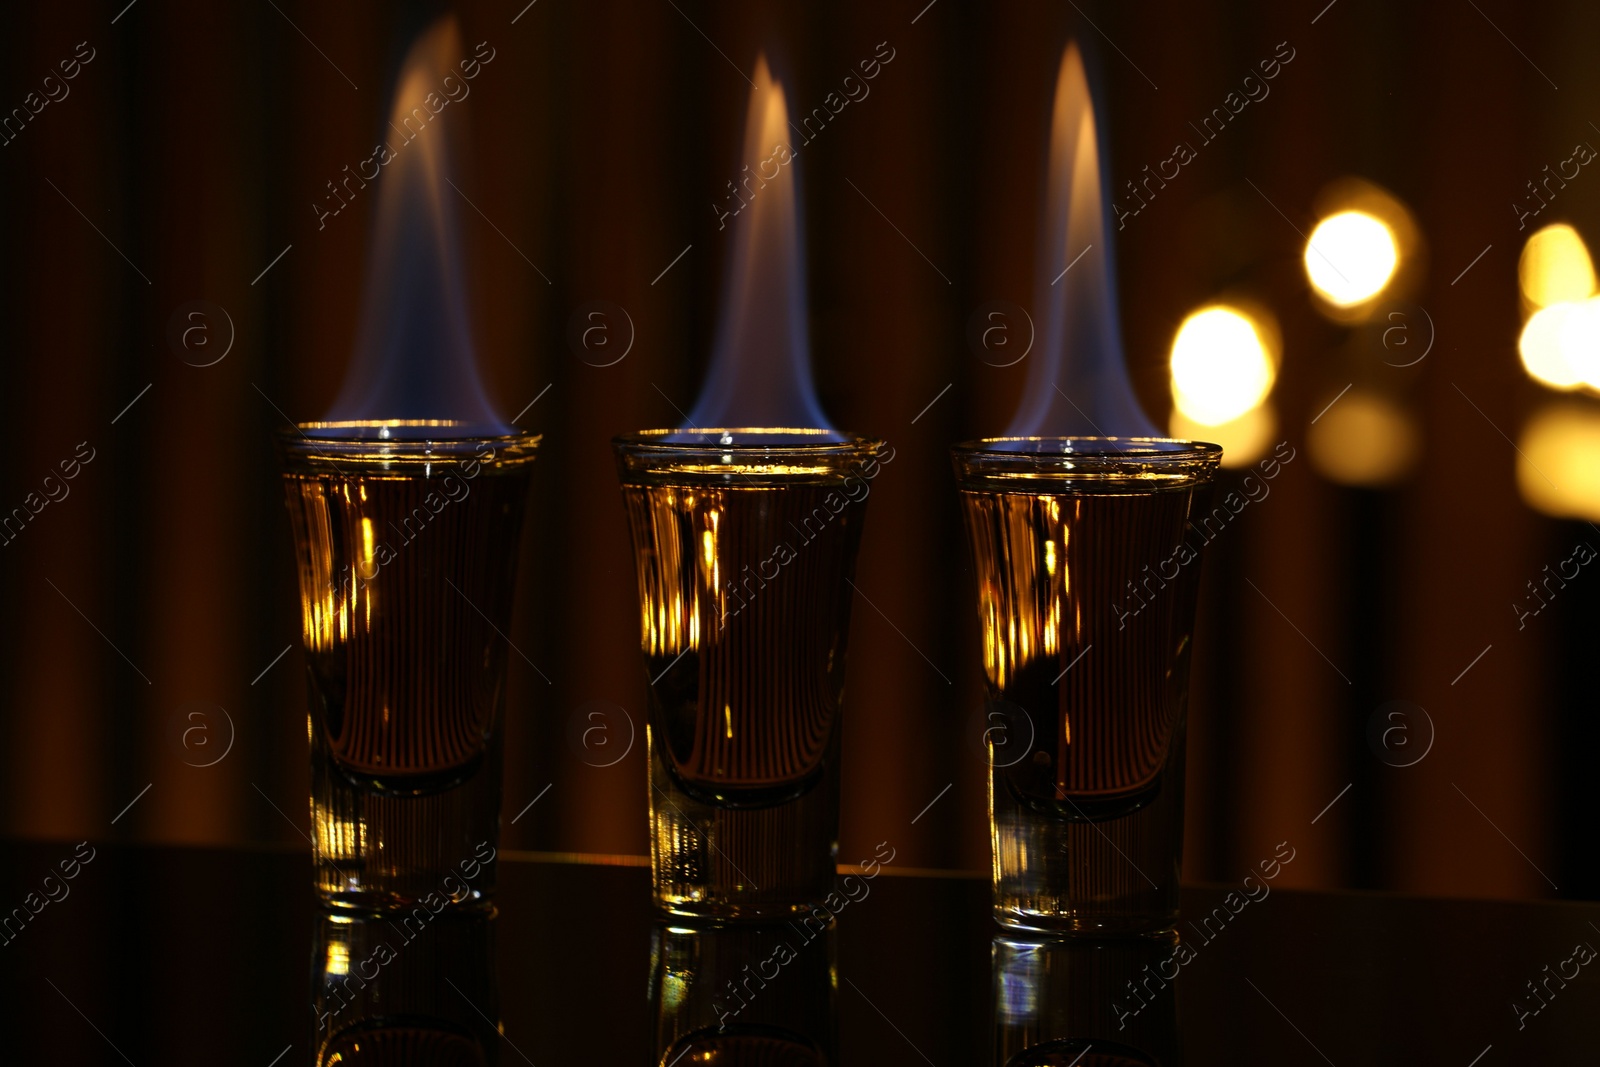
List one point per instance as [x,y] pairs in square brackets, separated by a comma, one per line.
[197,139]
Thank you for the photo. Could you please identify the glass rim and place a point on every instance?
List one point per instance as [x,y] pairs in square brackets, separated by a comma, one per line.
[1141,449]
[647,455]
[300,449]
[827,439]
[1100,464]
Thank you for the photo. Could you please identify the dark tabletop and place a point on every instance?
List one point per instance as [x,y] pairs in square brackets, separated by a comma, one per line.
[204,956]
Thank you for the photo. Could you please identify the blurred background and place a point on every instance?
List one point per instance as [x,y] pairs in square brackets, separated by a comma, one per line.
[1394,663]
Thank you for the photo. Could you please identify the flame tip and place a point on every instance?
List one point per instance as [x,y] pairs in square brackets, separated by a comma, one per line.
[1079,381]
[761,363]
[414,356]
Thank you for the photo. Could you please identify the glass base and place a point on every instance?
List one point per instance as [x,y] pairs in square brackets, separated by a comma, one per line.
[381,850]
[731,864]
[1107,877]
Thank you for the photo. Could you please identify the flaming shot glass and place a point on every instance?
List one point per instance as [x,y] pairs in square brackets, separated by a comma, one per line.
[407,556]
[1087,570]
[745,543]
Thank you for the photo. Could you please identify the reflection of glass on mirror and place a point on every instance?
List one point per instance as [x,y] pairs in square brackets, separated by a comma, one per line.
[380,995]
[1063,1001]
[743,994]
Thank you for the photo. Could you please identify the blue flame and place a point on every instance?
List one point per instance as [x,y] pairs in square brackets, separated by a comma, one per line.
[1078,382]
[760,372]
[414,357]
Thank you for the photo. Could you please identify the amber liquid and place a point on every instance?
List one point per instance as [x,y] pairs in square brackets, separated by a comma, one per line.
[1086,619]
[744,612]
[406,583]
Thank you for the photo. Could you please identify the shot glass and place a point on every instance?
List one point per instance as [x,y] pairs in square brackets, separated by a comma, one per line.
[1088,565]
[744,543]
[407,559]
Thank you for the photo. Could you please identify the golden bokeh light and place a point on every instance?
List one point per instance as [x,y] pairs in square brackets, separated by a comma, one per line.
[1224,362]
[1244,439]
[1351,257]
[1555,268]
[1558,460]
[1560,344]
[1364,439]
